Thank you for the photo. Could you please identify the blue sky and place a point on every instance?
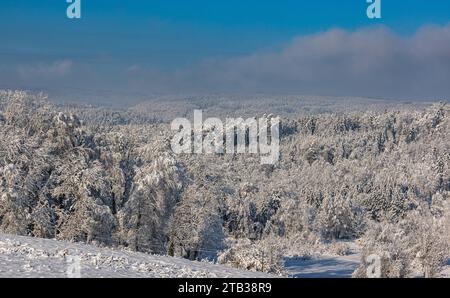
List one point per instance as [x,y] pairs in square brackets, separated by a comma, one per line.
[166,37]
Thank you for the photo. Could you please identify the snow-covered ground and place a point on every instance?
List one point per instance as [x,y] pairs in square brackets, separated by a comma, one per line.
[323,267]
[334,266]
[34,257]
[446,272]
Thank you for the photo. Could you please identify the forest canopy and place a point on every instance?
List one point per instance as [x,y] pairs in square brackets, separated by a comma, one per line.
[380,178]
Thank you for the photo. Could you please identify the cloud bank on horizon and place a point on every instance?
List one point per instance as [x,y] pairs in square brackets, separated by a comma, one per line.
[204,50]
[367,62]
[370,61]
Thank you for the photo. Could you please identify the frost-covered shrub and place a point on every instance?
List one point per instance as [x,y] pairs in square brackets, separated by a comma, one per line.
[440,209]
[155,191]
[386,200]
[412,246]
[196,229]
[337,219]
[263,255]
[293,219]
[430,248]
[14,218]
[340,248]
[390,244]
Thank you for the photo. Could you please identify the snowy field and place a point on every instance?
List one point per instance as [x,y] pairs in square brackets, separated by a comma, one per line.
[34,257]
[325,266]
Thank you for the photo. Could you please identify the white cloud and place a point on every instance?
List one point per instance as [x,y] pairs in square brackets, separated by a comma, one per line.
[56,69]
[133,69]
[369,62]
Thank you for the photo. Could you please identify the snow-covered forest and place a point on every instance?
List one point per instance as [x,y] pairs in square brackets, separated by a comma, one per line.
[378,179]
